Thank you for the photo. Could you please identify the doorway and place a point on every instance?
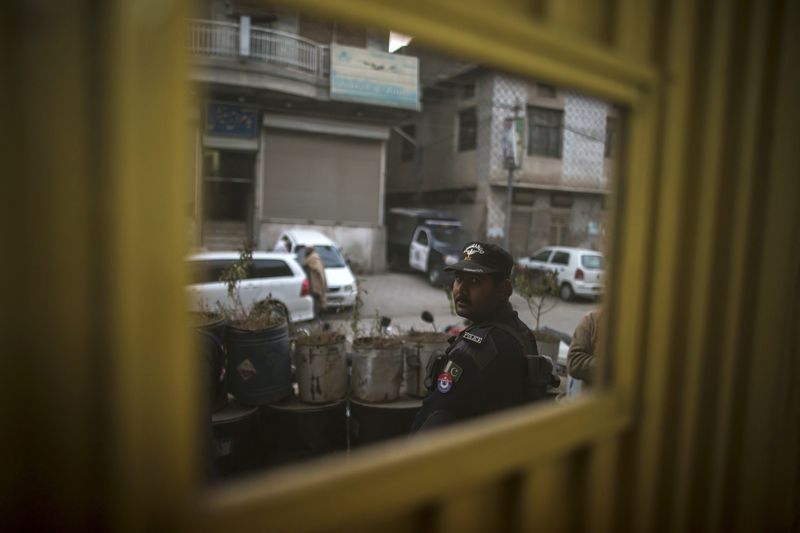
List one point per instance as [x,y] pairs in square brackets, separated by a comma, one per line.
[228,197]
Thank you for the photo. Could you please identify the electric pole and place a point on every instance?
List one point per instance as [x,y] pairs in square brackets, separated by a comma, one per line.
[513,159]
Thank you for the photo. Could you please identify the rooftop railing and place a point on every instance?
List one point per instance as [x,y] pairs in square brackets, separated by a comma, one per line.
[225,39]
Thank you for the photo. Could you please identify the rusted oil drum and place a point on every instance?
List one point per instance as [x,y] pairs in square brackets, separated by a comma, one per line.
[418,350]
[377,369]
[371,422]
[233,438]
[292,430]
[259,364]
[321,369]
[210,335]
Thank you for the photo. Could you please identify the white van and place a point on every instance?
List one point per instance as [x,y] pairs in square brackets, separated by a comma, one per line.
[340,279]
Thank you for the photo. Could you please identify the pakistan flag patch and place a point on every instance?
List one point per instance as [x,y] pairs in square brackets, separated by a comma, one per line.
[456,372]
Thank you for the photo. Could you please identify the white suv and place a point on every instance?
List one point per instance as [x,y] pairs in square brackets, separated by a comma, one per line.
[273,274]
[579,270]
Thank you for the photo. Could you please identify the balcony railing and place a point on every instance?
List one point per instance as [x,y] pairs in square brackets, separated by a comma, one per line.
[223,39]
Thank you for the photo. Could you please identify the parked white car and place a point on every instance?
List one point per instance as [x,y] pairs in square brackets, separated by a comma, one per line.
[275,275]
[340,279]
[579,270]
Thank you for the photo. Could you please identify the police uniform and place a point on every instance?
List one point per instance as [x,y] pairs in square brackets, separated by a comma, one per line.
[485,368]
[484,371]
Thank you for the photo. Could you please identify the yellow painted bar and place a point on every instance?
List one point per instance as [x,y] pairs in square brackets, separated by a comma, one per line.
[49,330]
[707,259]
[387,477]
[747,183]
[666,304]
[499,38]
[583,20]
[771,379]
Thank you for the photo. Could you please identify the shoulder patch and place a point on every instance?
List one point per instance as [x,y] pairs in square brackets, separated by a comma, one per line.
[455,372]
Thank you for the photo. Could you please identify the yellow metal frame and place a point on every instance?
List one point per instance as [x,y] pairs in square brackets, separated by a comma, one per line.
[697,426]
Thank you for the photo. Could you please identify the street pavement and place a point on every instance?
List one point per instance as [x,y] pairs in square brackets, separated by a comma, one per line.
[403,296]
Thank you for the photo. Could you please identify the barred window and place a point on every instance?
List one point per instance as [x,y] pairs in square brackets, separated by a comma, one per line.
[467,129]
[546,130]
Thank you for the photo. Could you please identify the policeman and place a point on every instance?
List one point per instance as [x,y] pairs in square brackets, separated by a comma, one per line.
[484,369]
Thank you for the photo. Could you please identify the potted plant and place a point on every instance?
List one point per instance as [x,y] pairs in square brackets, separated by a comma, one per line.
[377,370]
[320,361]
[257,338]
[420,347]
[536,287]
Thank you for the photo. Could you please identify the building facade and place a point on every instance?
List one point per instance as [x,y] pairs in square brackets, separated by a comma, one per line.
[275,146]
[450,156]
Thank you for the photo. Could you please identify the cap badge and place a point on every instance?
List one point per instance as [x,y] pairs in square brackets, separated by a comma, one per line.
[471,250]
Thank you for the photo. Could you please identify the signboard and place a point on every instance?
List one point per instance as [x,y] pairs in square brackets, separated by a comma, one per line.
[374,77]
[231,120]
[513,143]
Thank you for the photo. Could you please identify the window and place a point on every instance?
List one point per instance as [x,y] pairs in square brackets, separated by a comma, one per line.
[468,91]
[430,171]
[561,199]
[545,131]
[330,256]
[207,271]
[611,126]
[453,235]
[592,262]
[408,148]
[524,197]
[270,268]
[545,90]
[467,129]
[560,258]
[228,177]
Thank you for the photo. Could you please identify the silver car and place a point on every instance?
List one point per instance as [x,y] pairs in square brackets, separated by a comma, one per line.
[580,271]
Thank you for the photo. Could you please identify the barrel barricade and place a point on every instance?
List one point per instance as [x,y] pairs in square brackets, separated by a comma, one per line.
[339,400]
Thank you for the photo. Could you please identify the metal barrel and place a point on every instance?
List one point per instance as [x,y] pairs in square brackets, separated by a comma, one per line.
[371,423]
[291,430]
[259,364]
[377,370]
[211,347]
[418,350]
[321,371]
[233,437]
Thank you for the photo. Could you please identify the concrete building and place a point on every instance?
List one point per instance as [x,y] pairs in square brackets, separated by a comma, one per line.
[450,156]
[276,146]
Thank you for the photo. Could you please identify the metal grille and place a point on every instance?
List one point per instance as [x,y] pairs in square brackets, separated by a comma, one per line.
[584,142]
[507,92]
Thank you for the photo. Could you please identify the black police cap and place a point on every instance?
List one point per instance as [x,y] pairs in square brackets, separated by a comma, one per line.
[484,258]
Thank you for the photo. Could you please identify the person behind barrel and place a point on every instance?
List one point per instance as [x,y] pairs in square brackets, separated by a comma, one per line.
[484,369]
